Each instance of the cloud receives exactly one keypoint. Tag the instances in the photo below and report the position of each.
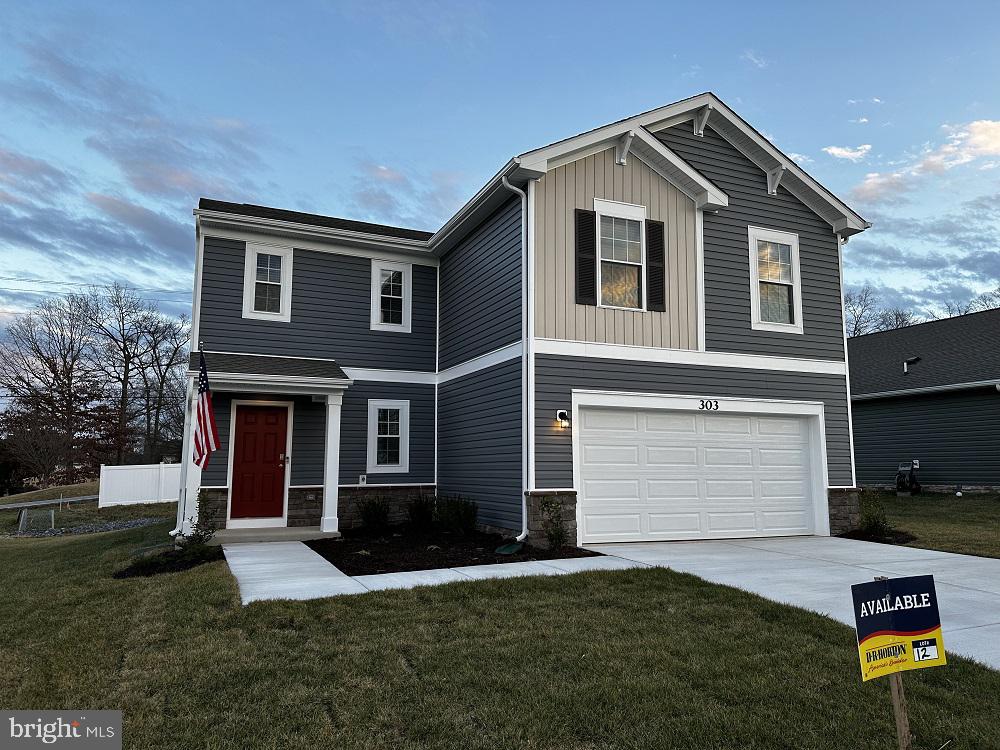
(390, 195)
(799, 158)
(846, 152)
(872, 100)
(963, 144)
(754, 59)
(860, 121)
(31, 176)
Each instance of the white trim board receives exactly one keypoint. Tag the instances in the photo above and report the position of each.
(927, 389)
(814, 411)
(626, 353)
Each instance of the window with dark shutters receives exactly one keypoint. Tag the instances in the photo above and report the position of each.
(656, 280)
(586, 257)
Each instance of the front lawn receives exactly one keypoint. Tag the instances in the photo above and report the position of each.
(969, 525)
(85, 514)
(632, 659)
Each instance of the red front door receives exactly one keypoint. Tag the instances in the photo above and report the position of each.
(259, 462)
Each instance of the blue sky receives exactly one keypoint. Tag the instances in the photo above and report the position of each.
(116, 117)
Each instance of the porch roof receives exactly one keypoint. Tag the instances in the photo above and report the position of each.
(231, 370)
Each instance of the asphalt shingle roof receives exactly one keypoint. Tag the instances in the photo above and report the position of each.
(332, 222)
(255, 364)
(963, 349)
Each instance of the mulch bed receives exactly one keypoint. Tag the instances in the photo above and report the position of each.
(894, 537)
(358, 553)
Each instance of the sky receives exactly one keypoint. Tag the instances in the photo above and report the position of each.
(116, 117)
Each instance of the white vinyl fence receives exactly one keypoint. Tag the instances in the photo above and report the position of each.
(145, 483)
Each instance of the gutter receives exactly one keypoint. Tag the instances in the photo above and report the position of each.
(526, 334)
(928, 389)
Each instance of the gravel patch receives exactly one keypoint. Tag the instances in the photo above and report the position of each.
(92, 528)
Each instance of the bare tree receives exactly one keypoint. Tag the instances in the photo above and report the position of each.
(163, 386)
(862, 311)
(121, 322)
(896, 317)
(45, 369)
(986, 301)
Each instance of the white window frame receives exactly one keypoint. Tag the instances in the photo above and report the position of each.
(755, 234)
(284, 313)
(376, 308)
(374, 404)
(621, 210)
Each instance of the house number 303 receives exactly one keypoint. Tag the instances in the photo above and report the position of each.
(708, 405)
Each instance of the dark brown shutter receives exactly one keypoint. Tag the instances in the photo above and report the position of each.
(586, 257)
(656, 276)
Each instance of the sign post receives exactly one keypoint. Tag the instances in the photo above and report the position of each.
(899, 628)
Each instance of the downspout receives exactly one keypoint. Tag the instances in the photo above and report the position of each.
(526, 334)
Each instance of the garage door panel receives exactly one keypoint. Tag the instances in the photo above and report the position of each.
(657, 455)
(719, 425)
(732, 522)
(606, 453)
(653, 474)
(725, 457)
(684, 424)
(688, 524)
(728, 489)
(672, 489)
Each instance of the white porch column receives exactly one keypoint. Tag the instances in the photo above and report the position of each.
(187, 503)
(331, 463)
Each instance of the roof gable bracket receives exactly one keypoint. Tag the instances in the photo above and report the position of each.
(774, 179)
(622, 147)
(701, 119)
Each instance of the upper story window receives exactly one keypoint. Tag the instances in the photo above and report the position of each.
(775, 288)
(388, 436)
(392, 285)
(621, 246)
(267, 283)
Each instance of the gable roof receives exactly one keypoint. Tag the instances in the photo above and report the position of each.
(703, 110)
(953, 352)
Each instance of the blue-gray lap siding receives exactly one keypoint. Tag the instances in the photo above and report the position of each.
(956, 437)
(727, 264)
(557, 376)
(309, 434)
(479, 442)
(481, 288)
(331, 311)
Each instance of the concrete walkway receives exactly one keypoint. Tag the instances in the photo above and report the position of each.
(816, 573)
(290, 570)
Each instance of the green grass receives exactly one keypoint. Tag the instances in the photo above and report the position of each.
(51, 493)
(634, 659)
(79, 514)
(969, 525)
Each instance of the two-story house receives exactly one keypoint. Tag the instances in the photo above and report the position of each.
(643, 320)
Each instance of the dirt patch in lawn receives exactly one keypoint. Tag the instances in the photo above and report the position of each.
(358, 553)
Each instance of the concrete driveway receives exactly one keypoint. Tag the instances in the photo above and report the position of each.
(816, 573)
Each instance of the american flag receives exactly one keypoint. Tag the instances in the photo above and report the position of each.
(206, 436)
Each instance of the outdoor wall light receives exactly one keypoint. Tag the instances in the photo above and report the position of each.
(562, 417)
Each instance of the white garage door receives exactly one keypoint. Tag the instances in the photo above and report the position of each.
(651, 474)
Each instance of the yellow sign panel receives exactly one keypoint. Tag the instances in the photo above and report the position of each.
(898, 624)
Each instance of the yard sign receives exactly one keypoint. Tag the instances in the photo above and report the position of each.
(898, 625)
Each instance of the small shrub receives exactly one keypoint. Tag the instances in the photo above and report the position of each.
(455, 514)
(420, 511)
(374, 514)
(553, 525)
(874, 522)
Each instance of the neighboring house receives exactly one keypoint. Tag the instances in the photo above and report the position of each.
(643, 321)
(929, 392)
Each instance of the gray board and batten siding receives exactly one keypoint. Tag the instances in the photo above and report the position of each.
(481, 288)
(330, 315)
(726, 254)
(479, 441)
(557, 376)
